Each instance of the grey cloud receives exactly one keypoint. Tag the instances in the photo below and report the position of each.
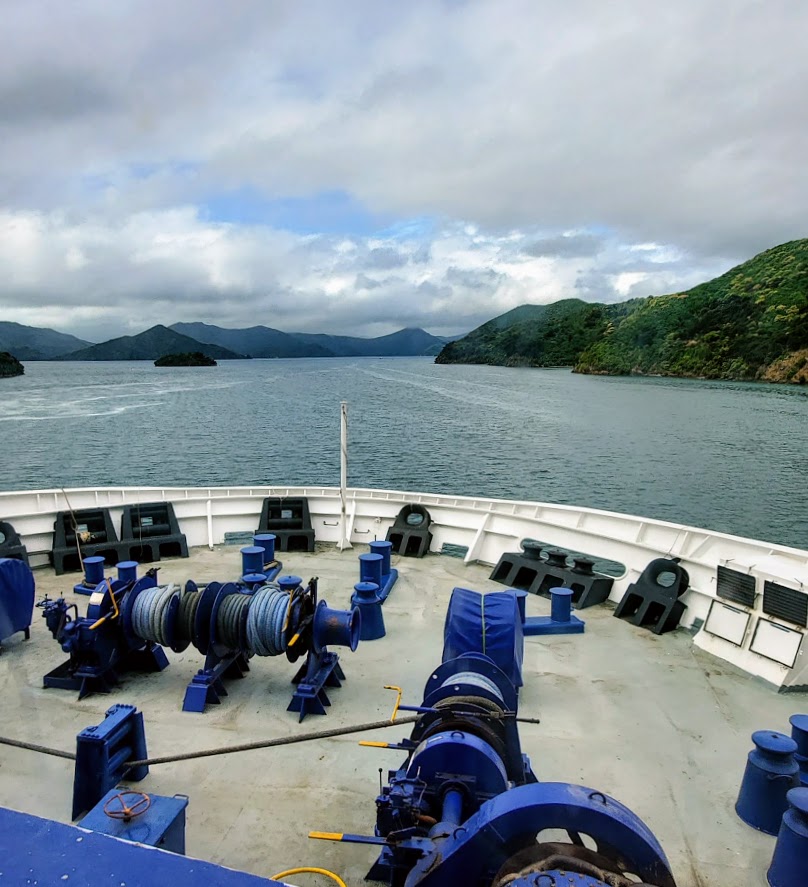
(678, 124)
(363, 282)
(570, 246)
(385, 258)
(422, 255)
(52, 95)
(475, 279)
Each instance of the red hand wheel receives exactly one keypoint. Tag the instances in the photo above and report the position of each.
(127, 805)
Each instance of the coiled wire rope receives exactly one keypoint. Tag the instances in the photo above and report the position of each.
(266, 621)
(189, 603)
(150, 613)
(229, 617)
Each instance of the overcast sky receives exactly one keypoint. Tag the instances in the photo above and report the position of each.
(356, 167)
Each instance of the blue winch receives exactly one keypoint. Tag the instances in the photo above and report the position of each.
(104, 643)
(465, 806)
(129, 621)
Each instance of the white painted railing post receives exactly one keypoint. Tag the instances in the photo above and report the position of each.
(344, 536)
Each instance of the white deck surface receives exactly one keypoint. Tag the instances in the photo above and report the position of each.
(652, 721)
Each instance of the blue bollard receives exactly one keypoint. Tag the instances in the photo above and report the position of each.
(387, 576)
(770, 772)
(521, 602)
(366, 598)
(560, 604)
(560, 620)
(789, 866)
(370, 568)
(127, 571)
(799, 733)
(252, 560)
(267, 542)
(384, 549)
(93, 570)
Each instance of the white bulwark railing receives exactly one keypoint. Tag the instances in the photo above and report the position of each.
(756, 642)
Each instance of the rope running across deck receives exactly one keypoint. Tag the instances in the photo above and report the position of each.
(249, 746)
(228, 749)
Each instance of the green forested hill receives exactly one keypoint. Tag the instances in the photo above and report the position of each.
(751, 322)
(532, 335)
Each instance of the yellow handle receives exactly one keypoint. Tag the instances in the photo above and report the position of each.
(398, 700)
(115, 610)
(369, 744)
(326, 836)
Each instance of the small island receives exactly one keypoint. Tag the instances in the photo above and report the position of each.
(9, 365)
(186, 359)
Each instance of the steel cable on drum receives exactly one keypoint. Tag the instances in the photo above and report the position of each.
(189, 603)
(266, 620)
(150, 612)
(228, 619)
(473, 679)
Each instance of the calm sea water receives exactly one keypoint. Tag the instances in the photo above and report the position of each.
(728, 456)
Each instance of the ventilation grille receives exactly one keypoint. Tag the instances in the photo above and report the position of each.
(451, 550)
(736, 587)
(785, 603)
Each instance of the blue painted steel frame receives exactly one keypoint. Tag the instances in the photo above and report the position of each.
(540, 625)
(35, 850)
(207, 685)
(488, 838)
(161, 825)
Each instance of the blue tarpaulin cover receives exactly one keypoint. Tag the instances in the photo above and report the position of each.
(488, 624)
(41, 851)
(16, 596)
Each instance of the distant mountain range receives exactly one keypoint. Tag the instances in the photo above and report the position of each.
(35, 343)
(262, 341)
(149, 345)
(219, 343)
(750, 323)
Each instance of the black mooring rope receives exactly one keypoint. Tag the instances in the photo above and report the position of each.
(273, 743)
(227, 750)
(245, 746)
(42, 749)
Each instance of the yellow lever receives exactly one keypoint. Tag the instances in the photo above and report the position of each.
(398, 700)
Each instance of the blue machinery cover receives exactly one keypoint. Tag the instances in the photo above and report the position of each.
(488, 624)
(16, 596)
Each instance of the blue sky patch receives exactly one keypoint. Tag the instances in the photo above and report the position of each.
(329, 212)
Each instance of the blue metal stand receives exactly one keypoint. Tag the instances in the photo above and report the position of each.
(160, 824)
(207, 685)
(313, 677)
(322, 668)
(103, 753)
(560, 620)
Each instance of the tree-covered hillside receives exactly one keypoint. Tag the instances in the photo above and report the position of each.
(9, 365)
(750, 323)
(532, 335)
(733, 327)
